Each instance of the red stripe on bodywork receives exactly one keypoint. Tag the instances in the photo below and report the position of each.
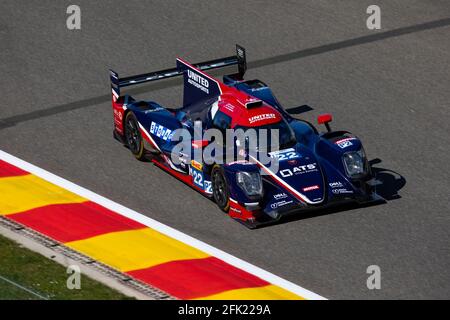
(146, 138)
(274, 177)
(77, 221)
(189, 279)
(8, 170)
(238, 211)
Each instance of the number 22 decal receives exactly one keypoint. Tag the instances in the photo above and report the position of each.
(287, 156)
(197, 177)
(208, 187)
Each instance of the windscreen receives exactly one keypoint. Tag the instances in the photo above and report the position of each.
(286, 137)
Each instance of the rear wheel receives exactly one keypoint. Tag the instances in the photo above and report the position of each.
(220, 188)
(133, 137)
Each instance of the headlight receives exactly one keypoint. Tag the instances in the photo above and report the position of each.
(354, 162)
(250, 182)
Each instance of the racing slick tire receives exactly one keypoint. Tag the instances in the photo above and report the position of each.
(220, 188)
(133, 137)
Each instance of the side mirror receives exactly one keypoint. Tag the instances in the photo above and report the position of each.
(298, 110)
(325, 119)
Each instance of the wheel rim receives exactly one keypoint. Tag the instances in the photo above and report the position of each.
(133, 138)
(220, 193)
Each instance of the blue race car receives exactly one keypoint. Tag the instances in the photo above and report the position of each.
(314, 170)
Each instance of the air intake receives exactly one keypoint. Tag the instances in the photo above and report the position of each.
(253, 104)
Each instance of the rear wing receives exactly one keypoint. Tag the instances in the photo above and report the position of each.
(239, 59)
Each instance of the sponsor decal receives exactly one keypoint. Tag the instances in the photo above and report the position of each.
(154, 110)
(229, 106)
(341, 191)
(166, 134)
(337, 187)
(344, 143)
(197, 165)
(161, 131)
(311, 188)
(198, 81)
(243, 162)
(280, 196)
(336, 184)
(280, 204)
(261, 117)
(235, 210)
(299, 170)
(118, 114)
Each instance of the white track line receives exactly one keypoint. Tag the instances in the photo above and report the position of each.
(169, 231)
(23, 288)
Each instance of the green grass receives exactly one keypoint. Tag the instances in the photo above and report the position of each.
(12, 292)
(41, 278)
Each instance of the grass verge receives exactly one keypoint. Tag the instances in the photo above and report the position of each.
(27, 275)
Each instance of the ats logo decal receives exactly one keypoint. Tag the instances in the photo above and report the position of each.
(299, 170)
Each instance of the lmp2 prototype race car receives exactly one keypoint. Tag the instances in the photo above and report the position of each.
(315, 170)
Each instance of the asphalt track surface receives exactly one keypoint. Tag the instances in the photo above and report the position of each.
(391, 87)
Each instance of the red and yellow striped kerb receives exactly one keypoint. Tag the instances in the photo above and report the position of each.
(143, 253)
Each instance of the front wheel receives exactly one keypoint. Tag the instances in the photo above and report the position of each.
(133, 137)
(220, 188)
